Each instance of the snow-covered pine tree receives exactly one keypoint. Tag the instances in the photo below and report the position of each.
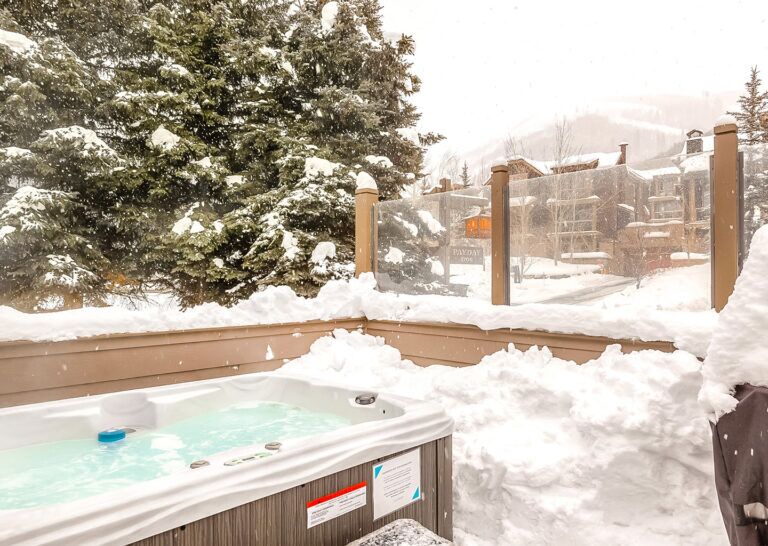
(754, 133)
(754, 105)
(173, 115)
(329, 105)
(44, 263)
(218, 112)
(409, 241)
(52, 254)
(466, 180)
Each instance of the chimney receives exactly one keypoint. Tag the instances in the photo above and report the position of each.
(445, 184)
(694, 144)
(623, 156)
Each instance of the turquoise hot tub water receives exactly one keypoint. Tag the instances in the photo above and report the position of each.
(51, 473)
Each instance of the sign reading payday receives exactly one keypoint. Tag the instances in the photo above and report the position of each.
(468, 255)
(396, 483)
(335, 504)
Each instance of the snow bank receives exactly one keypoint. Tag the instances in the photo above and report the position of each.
(546, 452)
(690, 331)
(18, 43)
(675, 289)
(274, 305)
(738, 351)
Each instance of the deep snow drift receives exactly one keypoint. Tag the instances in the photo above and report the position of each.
(616, 451)
(738, 351)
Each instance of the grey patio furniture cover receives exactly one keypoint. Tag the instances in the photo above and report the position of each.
(740, 444)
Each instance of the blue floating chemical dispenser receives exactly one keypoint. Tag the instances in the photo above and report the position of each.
(111, 435)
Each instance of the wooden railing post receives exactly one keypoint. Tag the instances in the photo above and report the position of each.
(726, 223)
(365, 229)
(500, 235)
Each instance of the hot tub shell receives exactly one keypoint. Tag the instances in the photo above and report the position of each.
(260, 501)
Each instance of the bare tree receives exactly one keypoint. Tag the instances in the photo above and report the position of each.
(634, 241)
(418, 187)
(515, 147)
(482, 174)
(449, 166)
(562, 149)
(520, 203)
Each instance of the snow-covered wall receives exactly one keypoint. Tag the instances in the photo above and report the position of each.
(738, 352)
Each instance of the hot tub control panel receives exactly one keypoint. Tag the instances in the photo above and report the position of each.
(247, 459)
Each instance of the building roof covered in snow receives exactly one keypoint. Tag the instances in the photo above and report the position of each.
(521, 167)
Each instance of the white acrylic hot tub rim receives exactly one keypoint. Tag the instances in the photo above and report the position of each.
(152, 507)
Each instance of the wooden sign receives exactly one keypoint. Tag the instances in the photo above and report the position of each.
(467, 255)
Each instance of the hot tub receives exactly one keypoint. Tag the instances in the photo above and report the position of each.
(263, 459)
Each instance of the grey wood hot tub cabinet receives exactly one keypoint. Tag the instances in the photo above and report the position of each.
(281, 519)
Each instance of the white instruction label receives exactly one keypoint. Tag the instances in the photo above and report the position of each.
(336, 504)
(396, 483)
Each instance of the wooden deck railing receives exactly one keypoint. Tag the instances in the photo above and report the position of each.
(41, 371)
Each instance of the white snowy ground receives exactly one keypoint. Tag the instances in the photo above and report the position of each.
(616, 451)
(543, 280)
(675, 289)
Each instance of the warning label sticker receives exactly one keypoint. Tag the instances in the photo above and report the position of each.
(335, 504)
(396, 483)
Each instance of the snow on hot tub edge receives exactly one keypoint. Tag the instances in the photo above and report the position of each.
(358, 298)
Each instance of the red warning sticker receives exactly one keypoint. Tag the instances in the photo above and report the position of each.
(333, 505)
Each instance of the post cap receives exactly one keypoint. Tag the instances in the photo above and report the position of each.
(724, 129)
(363, 191)
(725, 124)
(502, 168)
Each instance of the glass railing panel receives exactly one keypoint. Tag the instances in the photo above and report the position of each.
(436, 244)
(624, 235)
(755, 184)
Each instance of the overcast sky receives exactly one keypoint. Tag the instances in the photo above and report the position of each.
(489, 65)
